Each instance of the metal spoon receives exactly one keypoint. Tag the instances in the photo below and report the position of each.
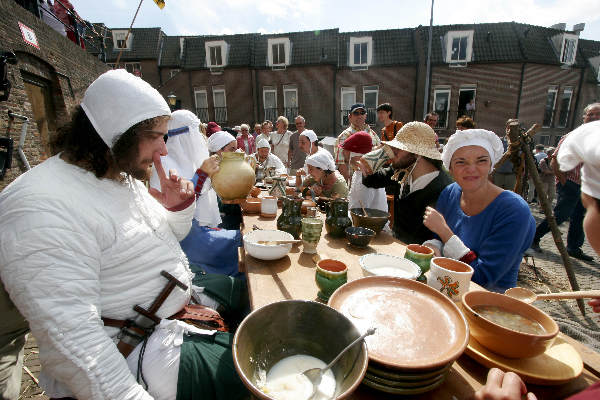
(314, 375)
(528, 296)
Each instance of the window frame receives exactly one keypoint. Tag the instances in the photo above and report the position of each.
(287, 107)
(224, 53)
(575, 39)
(216, 90)
(570, 91)
(269, 89)
(286, 46)
(551, 89)
(196, 92)
(120, 34)
(450, 36)
(345, 89)
(447, 111)
(360, 40)
(545, 140)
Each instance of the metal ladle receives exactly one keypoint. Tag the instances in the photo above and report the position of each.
(314, 375)
(528, 296)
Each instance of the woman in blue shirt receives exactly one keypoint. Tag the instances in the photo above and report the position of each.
(476, 221)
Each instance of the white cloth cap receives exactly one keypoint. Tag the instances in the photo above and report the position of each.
(218, 140)
(322, 160)
(310, 134)
(117, 100)
(474, 137)
(262, 143)
(583, 146)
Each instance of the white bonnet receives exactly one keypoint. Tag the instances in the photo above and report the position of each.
(321, 159)
(583, 146)
(310, 134)
(262, 143)
(218, 140)
(474, 137)
(182, 118)
(117, 100)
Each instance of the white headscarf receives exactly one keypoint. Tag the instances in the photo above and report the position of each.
(262, 143)
(117, 100)
(310, 134)
(218, 140)
(583, 146)
(322, 160)
(474, 137)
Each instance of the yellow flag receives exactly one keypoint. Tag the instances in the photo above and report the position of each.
(160, 3)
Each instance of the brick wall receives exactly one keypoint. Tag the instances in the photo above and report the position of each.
(67, 69)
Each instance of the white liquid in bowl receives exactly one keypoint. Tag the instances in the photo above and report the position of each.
(285, 380)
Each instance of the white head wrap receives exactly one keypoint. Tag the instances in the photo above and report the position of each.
(262, 143)
(474, 137)
(323, 160)
(583, 146)
(310, 134)
(218, 140)
(117, 100)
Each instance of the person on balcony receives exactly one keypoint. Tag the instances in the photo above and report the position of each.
(357, 118)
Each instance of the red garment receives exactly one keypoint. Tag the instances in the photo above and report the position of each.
(591, 393)
(66, 18)
(242, 145)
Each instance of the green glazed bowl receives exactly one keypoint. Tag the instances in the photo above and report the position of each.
(420, 255)
(330, 275)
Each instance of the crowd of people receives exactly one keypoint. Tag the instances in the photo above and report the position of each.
(85, 222)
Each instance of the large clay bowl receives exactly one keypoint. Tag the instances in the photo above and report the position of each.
(291, 327)
(375, 221)
(251, 205)
(504, 341)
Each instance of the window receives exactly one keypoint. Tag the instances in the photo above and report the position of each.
(549, 107)
(360, 51)
(278, 52)
(174, 72)
(348, 97)
(565, 106)
(270, 103)
(441, 104)
(568, 49)
(458, 46)
(201, 100)
(290, 102)
(370, 98)
(466, 102)
(119, 40)
(545, 140)
(220, 105)
(216, 53)
(556, 140)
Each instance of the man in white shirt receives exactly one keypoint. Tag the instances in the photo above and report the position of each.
(280, 140)
(266, 159)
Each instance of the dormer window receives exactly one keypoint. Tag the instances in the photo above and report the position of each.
(568, 49)
(216, 54)
(458, 47)
(119, 40)
(278, 52)
(361, 51)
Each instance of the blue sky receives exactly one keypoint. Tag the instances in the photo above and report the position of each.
(197, 17)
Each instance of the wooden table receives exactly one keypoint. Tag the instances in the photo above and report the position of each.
(293, 277)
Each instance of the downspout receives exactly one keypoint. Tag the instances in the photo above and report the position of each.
(193, 100)
(520, 91)
(414, 112)
(334, 91)
(578, 98)
(25, 120)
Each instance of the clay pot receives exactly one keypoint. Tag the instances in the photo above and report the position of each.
(235, 177)
(306, 204)
(255, 191)
(290, 219)
(337, 218)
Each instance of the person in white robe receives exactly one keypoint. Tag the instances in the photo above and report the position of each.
(265, 158)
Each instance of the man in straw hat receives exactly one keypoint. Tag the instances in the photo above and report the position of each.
(83, 242)
(417, 173)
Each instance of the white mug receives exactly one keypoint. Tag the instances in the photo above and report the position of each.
(268, 206)
(451, 277)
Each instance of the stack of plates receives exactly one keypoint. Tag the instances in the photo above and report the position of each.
(420, 332)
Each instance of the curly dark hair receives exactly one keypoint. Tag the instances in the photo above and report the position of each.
(81, 145)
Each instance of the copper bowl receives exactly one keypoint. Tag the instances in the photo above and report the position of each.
(251, 205)
(374, 220)
(504, 341)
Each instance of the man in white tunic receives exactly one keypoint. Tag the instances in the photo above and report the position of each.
(82, 238)
(266, 159)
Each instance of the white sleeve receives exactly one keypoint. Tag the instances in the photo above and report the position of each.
(455, 248)
(434, 243)
(279, 167)
(50, 267)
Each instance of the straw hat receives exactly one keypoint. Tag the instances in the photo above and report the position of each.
(417, 138)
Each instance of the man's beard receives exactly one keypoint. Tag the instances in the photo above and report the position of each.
(405, 162)
(135, 170)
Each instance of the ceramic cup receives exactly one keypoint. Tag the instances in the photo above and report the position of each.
(450, 277)
(377, 159)
(311, 234)
(268, 207)
(420, 255)
(330, 275)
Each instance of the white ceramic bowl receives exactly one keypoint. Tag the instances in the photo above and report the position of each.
(267, 251)
(387, 265)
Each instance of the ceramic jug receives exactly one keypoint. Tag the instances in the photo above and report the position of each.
(337, 219)
(278, 188)
(235, 177)
(290, 219)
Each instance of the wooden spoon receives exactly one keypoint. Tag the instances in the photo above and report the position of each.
(363, 208)
(528, 296)
(276, 242)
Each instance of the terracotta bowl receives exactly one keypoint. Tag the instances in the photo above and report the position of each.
(306, 204)
(290, 191)
(255, 191)
(291, 327)
(375, 220)
(504, 341)
(251, 205)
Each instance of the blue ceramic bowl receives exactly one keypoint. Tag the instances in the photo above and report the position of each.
(359, 236)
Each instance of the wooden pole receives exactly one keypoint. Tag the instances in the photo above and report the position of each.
(127, 36)
(525, 139)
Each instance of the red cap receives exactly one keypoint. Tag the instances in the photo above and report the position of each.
(211, 128)
(359, 142)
